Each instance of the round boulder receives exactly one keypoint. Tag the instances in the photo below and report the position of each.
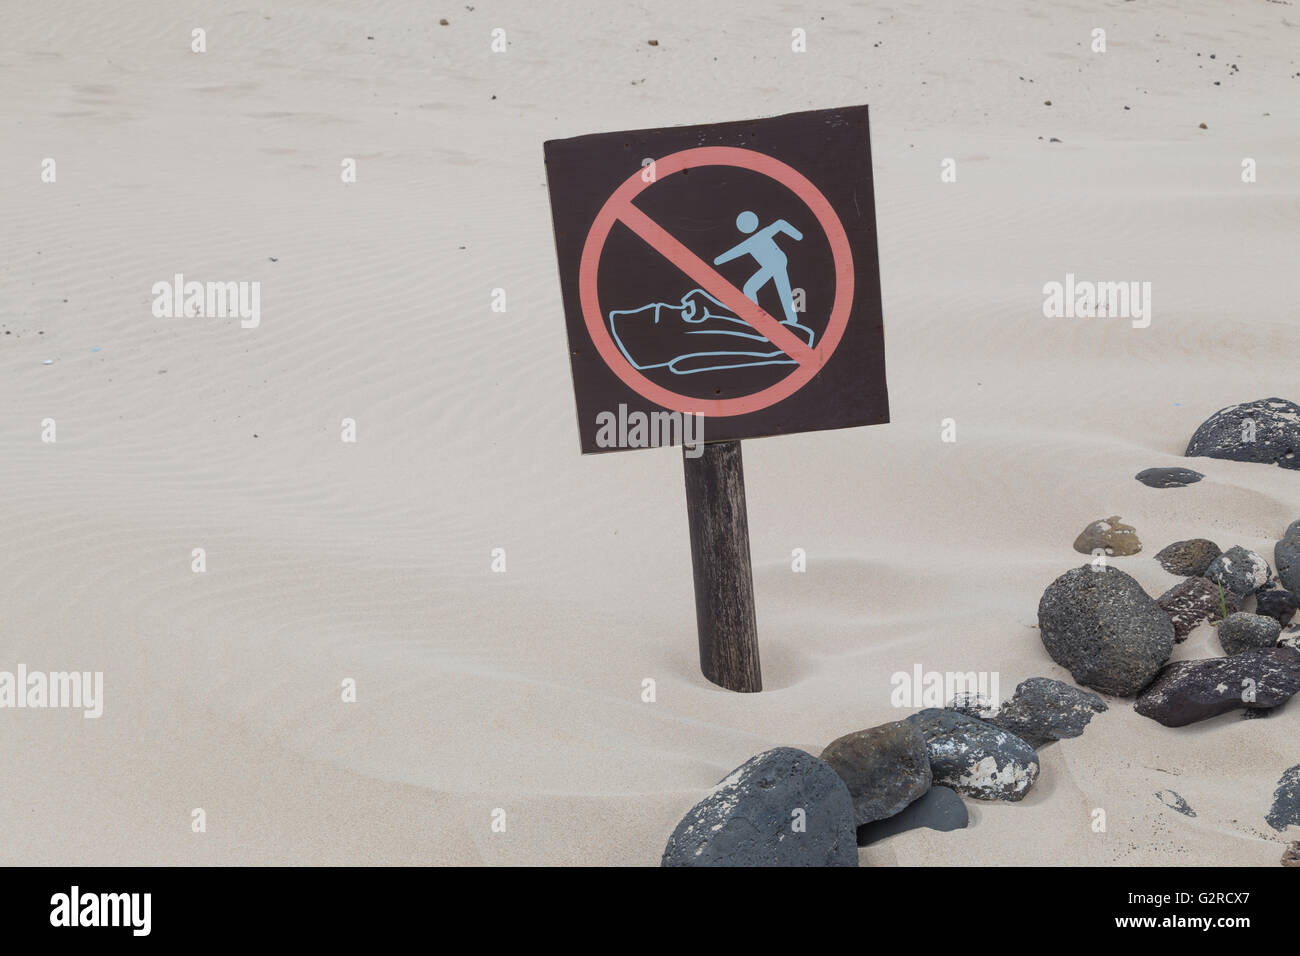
(1265, 431)
(1242, 632)
(783, 807)
(1277, 604)
(885, 767)
(1194, 601)
(1240, 571)
(1286, 555)
(1105, 630)
(976, 758)
(1285, 811)
(1189, 559)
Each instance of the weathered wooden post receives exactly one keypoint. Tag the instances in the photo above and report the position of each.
(724, 580)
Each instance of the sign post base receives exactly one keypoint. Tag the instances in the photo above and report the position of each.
(724, 580)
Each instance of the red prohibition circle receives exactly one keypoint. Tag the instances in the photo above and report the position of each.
(621, 200)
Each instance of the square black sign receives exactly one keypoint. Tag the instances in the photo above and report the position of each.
(728, 271)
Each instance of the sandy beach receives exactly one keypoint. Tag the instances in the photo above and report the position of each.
(479, 691)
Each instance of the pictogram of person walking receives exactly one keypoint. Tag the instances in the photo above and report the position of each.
(771, 260)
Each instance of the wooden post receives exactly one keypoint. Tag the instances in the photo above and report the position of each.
(724, 581)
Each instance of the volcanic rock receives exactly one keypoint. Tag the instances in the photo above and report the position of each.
(1168, 477)
(976, 758)
(1193, 602)
(1240, 571)
(1286, 555)
(1109, 536)
(1188, 558)
(1280, 605)
(1266, 431)
(1041, 710)
(1242, 632)
(1100, 625)
(1285, 811)
(1188, 691)
(885, 767)
(751, 818)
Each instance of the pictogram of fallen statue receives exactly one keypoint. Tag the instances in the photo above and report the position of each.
(697, 334)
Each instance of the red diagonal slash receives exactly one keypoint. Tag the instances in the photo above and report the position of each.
(663, 242)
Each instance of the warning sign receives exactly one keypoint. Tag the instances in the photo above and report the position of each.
(725, 276)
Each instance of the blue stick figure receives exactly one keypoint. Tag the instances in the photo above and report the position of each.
(771, 260)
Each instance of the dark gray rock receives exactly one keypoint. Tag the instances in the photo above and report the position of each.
(1100, 625)
(1291, 855)
(885, 767)
(976, 758)
(1266, 431)
(1188, 691)
(1189, 558)
(1240, 571)
(1280, 605)
(1193, 602)
(1285, 811)
(1174, 801)
(1040, 711)
(749, 818)
(1168, 477)
(1243, 632)
(1286, 555)
(939, 808)
(1290, 637)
